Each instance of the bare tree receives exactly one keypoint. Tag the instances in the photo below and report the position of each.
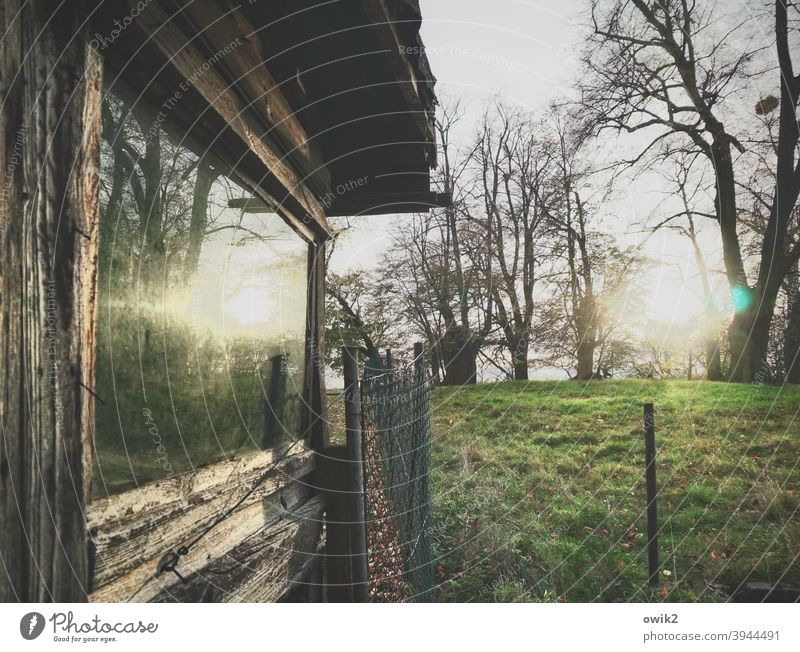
(436, 266)
(690, 192)
(665, 67)
(514, 169)
(568, 219)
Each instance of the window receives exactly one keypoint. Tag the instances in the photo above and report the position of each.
(201, 311)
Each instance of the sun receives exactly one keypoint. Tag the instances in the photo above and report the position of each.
(673, 299)
(248, 306)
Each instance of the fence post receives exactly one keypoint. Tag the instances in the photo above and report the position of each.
(331, 476)
(273, 401)
(650, 473)
(355, 474)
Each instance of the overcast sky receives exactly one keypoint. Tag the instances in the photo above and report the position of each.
(524, 50)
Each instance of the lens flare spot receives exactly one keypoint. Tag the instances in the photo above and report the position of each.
(742, 298)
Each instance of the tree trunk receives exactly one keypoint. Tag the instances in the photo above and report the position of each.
(120, 172)
(748, 335)
(436, 365)
(206, 176)
(460, 357)
(791, 337)
(519, 356)
(587, 337)
(585, 356)
(150, 206)
(521, 369)
(746, 344)
(49, 139)
(713, 359)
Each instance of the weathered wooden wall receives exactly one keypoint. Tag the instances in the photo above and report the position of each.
(261, 551)
(49, 147)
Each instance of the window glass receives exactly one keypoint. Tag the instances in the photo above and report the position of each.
(201, 312)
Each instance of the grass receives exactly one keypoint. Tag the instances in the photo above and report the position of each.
(539, 490)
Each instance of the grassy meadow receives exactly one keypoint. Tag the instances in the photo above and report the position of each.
(539, 490)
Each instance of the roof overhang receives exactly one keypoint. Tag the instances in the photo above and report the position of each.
(319, 108)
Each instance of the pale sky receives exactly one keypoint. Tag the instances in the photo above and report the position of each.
(523, 49)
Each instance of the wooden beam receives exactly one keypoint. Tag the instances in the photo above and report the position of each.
(218, 24)
(390, 203)
(182, 51)
(252, 205)
(135, 528)
(263, 567)
(330, 477)
(50, 82)
(219, 549)
(314, 409)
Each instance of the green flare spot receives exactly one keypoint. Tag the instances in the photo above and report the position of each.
(742, 298)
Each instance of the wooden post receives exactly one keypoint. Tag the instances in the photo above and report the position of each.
(355, 474)
(50, 82)
(274, 401)
(652, 491)
(331, 477)
(48, 238)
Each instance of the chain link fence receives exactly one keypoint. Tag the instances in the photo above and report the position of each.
(396, 440)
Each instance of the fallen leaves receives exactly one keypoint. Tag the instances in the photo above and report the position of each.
(386, 581)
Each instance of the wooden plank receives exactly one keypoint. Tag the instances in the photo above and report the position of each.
(252, 205)
(314, 414)
(389, 203)
(185, 57)
(254, 522)
(361, 204)
(137, 527)
(263, 567)
(190, 487)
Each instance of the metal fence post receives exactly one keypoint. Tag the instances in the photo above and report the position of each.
(650, 473)
(355, 474)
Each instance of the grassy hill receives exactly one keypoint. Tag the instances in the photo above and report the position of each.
(539, 490)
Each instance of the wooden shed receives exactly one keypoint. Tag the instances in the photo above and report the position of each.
(169, 170)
